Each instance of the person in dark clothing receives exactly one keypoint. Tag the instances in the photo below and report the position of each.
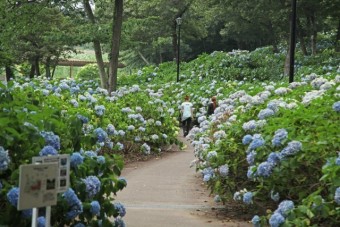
(212, 106)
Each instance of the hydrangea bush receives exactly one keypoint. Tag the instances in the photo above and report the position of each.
(43, 117)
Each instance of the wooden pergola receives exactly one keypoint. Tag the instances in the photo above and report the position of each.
(80, 63)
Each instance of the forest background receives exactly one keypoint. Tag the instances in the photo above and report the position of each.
(36, 34)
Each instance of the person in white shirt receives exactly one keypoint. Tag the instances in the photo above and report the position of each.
(187, 114)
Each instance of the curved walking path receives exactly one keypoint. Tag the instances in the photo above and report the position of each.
(166, 192)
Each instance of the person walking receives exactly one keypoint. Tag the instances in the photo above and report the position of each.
(212, 106)
(187, 114)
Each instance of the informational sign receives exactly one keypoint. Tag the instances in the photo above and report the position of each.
(63, 161)
(38, 185)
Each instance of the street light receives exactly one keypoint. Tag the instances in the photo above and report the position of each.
(292, 42)
(178, 22)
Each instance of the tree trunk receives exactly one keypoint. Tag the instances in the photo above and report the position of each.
(48, 67)
(97, 48)
(301, 35)
(37, 68)
(32, 71)
(314, 34)
(116, 35)
(337, 41)
(9, 73)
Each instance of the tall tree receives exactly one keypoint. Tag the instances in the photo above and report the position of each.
(116, 34)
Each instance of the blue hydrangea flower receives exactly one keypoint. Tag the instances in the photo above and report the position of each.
(276, 220)
(90, 154)
(265, 113)
(336, 106)
(110, 129)
(256, 221)
(76, 159)
(251, 157)
(337, 196)
(101, 159)
(131, 128)
(92, 185)
(208, 173)
(280, 135)
(291, 149)
(41, 221)
(248, 198)
(119, 222)
(48, 150)
(224, 170)
(251, 172)
(274, 196)
(264, 169)
(247, 139)
(284, 207)
(211, 154)
(258, 141)
(95, 208)
(100, 110)
(73, 202)
(51, 139)
(13, 196)
(101, 135)
(273, 158)
(145, 149)
(120, 208)
(83, 119)
(4, 159)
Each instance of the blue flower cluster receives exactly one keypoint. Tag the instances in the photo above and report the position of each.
(13, 196)
(279, 136)
(257, 141)
(256, 221)
(100, 110)
(284, 207)
(48, 150)
(224, 170)
(41, 221)
(336, 106)
(251, 157)
(76, 159)
(265, 113)
(276, 220)
(92, 184)
(111, 129)
(248, 198)
(83, 119)
(119, 222)
(247, 139)
(292, 148)
(208, 173)
(211, 155)
(4, 159)
(265, 169)
(101, 135)
(337, 196)
(120, 208)
(101, 159)
(145, 149)
(95, 208)
(79, 225)
(75, 204)
(51, 139)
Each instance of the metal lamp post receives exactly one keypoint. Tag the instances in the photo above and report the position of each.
(178, 21)
(292, 42)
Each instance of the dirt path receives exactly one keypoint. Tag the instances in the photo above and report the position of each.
(165, 192)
